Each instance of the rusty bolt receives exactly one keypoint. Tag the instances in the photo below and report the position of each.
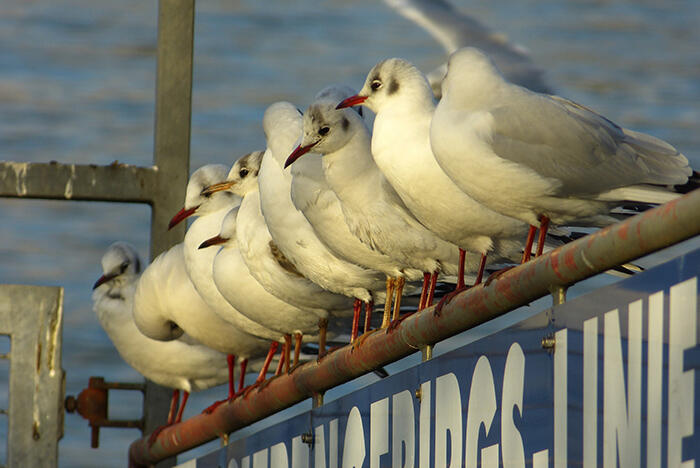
(307, 438)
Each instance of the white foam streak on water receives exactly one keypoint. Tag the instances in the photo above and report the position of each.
(77, 86)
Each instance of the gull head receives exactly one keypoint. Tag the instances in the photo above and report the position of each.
(326, 129)
(198, 200)
(242, 178)
(120, 265)
(227, 236)
(282, 127)
(388, 82)
(469, 71)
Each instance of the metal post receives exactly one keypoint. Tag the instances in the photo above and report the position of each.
(171, 154)
(33, 317)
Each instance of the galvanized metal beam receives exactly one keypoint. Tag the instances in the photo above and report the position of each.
(85, 182)
(641, 235)
(171, 154)
(33, 318)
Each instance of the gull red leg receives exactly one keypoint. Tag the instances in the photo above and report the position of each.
(297, 347)
(173, 407)
(368, 315)
(390, 283)
(185, 396)
(544, 226)
(460, 274)
(268, 359)
(356, 309)
(287, 351)
(528, 244)
(322, 330)
(482, 266)
(280, 363)
(231, 361)
(431, 291)
(241, 379)
(424, 291)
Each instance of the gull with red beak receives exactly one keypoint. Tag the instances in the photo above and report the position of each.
(235, 281)
(371, 209)
(182, 364)
(210, 208)
(403, 102)
(290, 230)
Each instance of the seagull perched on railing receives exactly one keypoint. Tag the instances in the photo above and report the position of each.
(182, 363)
(560, 161)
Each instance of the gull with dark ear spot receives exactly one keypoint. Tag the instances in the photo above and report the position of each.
(290, 230)
(370, 208)
(181, 363)
(402, 151)
(560, 161)
(454, 30)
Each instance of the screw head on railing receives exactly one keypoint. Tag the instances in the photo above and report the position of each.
(307, 438)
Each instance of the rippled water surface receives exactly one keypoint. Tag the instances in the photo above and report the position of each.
(77, 85)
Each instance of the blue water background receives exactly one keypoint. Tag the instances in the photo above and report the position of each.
(77, 86)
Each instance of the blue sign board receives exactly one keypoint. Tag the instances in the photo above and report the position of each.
(608, 379)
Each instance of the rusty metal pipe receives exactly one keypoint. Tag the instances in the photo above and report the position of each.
(623, 242)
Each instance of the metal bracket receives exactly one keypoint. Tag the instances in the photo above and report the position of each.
(93, 404)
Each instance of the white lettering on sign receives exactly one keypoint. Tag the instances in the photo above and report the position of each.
(561, 405)
(403, 444)
(354, 444)
(655, 367)
(482, 409)
(681, 384)
(424, 425)
(590, 393)
(448, 421)
(513, 451)
(379, 431)
(450, 434)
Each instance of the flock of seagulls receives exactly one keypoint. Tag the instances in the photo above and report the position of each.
(435, 190)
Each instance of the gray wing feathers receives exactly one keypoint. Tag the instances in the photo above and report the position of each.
(583, 152)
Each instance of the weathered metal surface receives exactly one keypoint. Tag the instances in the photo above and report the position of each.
(171, 154)
(643, 234)
(32, 316)
(115, 182)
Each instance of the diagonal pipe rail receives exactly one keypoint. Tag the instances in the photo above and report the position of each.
(623, 242)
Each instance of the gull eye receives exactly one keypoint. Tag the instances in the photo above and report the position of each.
(243, 173)
(323, 131)
(123, 267)
(376, 84)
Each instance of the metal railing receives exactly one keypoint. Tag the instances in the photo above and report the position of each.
(549, 274)
(32, 316)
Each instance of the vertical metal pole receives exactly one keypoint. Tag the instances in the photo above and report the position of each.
(426, 353)
(558, 295)
(171, 153)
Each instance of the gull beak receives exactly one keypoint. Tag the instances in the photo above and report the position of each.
(180, 216)
(355, 100)
(298, 152)
(217, 188)
(216, 240)
(103, 279)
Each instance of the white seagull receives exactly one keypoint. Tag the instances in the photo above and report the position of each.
(166, 303)
(404, 104)
(454, 30)
(265, 262)
(559, 160)
(239, 286)
(371, 208)
(289, 228)
(210, 209)
(182, 364)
